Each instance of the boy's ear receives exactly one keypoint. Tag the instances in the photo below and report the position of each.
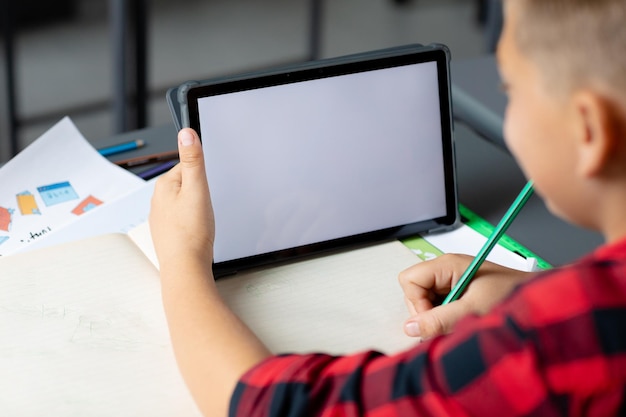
(597, 132)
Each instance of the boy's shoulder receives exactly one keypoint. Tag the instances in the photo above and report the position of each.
(595, 280)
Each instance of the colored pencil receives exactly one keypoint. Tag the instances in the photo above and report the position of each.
(121, 147)
(157, 170)
(147, 159)
(497, 233)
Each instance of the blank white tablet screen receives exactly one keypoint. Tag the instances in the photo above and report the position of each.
(307, 162)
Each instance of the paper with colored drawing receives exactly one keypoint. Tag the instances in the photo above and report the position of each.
(126, 214)
(52, 183)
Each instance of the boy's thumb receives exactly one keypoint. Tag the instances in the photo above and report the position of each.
(440, 320)
(190, 153)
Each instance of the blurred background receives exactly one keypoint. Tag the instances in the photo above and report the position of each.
(63, 57)
(108, 64)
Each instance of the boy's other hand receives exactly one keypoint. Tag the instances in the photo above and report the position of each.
(427, 283)
(181, 216)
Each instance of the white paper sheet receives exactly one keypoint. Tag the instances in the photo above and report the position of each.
(339, 303)
(119, 216)
(53, 182)
(83, 333)
(467, 241)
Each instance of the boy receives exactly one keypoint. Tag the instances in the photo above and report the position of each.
(556, 345)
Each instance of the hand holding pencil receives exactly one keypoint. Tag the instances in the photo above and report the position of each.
(448, 278)
(427, 283)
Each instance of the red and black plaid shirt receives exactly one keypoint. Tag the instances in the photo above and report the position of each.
(555, 347)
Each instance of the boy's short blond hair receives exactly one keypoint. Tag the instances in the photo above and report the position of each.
(576, 43)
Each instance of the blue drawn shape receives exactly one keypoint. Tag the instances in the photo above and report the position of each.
(57, 193)
(3, 239)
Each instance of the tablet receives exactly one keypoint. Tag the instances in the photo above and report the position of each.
(325, 154)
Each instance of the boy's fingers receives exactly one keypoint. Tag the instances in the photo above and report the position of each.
(418, 282)
(424, 281)
(439, 320)
(191, 156)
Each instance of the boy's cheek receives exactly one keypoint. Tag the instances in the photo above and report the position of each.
(516, 134)
(511, 129)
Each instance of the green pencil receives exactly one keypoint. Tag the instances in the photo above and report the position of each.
(497, 233)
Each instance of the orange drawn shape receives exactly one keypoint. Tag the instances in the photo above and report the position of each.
(27, 204)
(5, 219)
(86, 205)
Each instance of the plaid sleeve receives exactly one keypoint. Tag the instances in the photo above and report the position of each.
(557, 347)
(310, 385)
(429, 380)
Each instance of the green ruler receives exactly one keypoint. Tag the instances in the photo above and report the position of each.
(425, 251)
(485, 228)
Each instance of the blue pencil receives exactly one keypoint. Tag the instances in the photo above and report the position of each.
(497, 233)
(122, 147)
